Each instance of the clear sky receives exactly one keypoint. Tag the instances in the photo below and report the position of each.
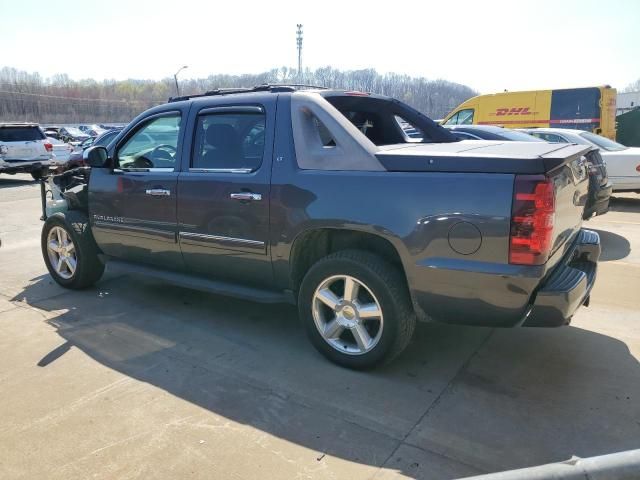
(486, 44)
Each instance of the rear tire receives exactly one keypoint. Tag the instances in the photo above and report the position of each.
(361, 330)
(69, 250)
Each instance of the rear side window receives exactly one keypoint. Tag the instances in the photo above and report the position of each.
(465, 136)
(229, 141)
(20, 134)
(549, 137)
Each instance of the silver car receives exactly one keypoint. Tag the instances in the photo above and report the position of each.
(24, 149)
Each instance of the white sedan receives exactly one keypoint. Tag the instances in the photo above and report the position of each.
(623, 163)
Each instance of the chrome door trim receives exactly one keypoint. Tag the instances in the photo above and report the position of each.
(219, 238)
(220, 170)
(135, 230)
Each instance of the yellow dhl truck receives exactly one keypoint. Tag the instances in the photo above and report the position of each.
(592, 109)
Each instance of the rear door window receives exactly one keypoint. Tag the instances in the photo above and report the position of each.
(20, 134)
(229, 141)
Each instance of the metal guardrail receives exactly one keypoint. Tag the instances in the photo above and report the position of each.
(615, 466)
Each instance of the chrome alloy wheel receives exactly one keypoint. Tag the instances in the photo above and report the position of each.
(62, 252)
(347, 315)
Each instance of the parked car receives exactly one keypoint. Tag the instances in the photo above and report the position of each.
(52, 132)
(24, 149)
(61, 152)
(92, 130)
(72, 135)
(490, 132)
(275, 194)
(76, 160)
(622, 163)
(599, 185)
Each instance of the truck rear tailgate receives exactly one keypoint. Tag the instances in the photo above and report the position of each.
(564, 164)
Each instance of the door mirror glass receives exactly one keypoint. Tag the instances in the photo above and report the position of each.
(96, 157)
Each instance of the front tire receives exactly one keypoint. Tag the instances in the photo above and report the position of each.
(356, 309)
(69, 250)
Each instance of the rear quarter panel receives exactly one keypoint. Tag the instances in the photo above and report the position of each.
(422, 214)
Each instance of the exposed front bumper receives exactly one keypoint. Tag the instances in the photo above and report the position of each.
(568, 286)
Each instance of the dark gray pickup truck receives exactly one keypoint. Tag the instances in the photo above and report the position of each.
(355, 207)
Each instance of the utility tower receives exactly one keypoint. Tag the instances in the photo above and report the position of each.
(299, 43)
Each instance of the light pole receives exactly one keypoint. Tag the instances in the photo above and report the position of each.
(175, 77)
(299, 44)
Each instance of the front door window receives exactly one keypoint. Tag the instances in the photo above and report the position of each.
(152, 147)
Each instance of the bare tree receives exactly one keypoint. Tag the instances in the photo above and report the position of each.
(29, 97)
(632, 87)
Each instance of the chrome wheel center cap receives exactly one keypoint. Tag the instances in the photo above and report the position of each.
(347, 316)
(349, 312)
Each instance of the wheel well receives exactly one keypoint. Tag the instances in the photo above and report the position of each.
(313, 245)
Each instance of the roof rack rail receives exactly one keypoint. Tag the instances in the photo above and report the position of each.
(265, 87)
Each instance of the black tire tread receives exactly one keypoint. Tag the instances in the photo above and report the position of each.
(394, 280)
(92, 267)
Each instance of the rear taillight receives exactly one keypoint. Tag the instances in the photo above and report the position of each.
(638, 169)
(532, 216)
(48, 146)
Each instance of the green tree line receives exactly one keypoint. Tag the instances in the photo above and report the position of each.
(28, 96)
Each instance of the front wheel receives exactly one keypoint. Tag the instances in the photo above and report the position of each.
(356, 309)
(69, 250)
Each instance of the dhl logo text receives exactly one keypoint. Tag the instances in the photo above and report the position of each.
(513, 111)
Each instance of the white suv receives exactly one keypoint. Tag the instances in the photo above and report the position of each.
(24, 149)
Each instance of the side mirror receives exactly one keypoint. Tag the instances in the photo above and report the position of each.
(96, 157)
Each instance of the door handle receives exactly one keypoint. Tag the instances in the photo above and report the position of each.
(251, 197)
(158, 192)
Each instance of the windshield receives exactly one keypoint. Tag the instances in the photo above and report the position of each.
(603, 142)
(105, 139)
(518, 136)
(76, 131)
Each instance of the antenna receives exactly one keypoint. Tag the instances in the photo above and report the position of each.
(299, 43)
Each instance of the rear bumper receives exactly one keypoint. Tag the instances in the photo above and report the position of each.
(568, 286)
(626, 184)
(17, 166)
